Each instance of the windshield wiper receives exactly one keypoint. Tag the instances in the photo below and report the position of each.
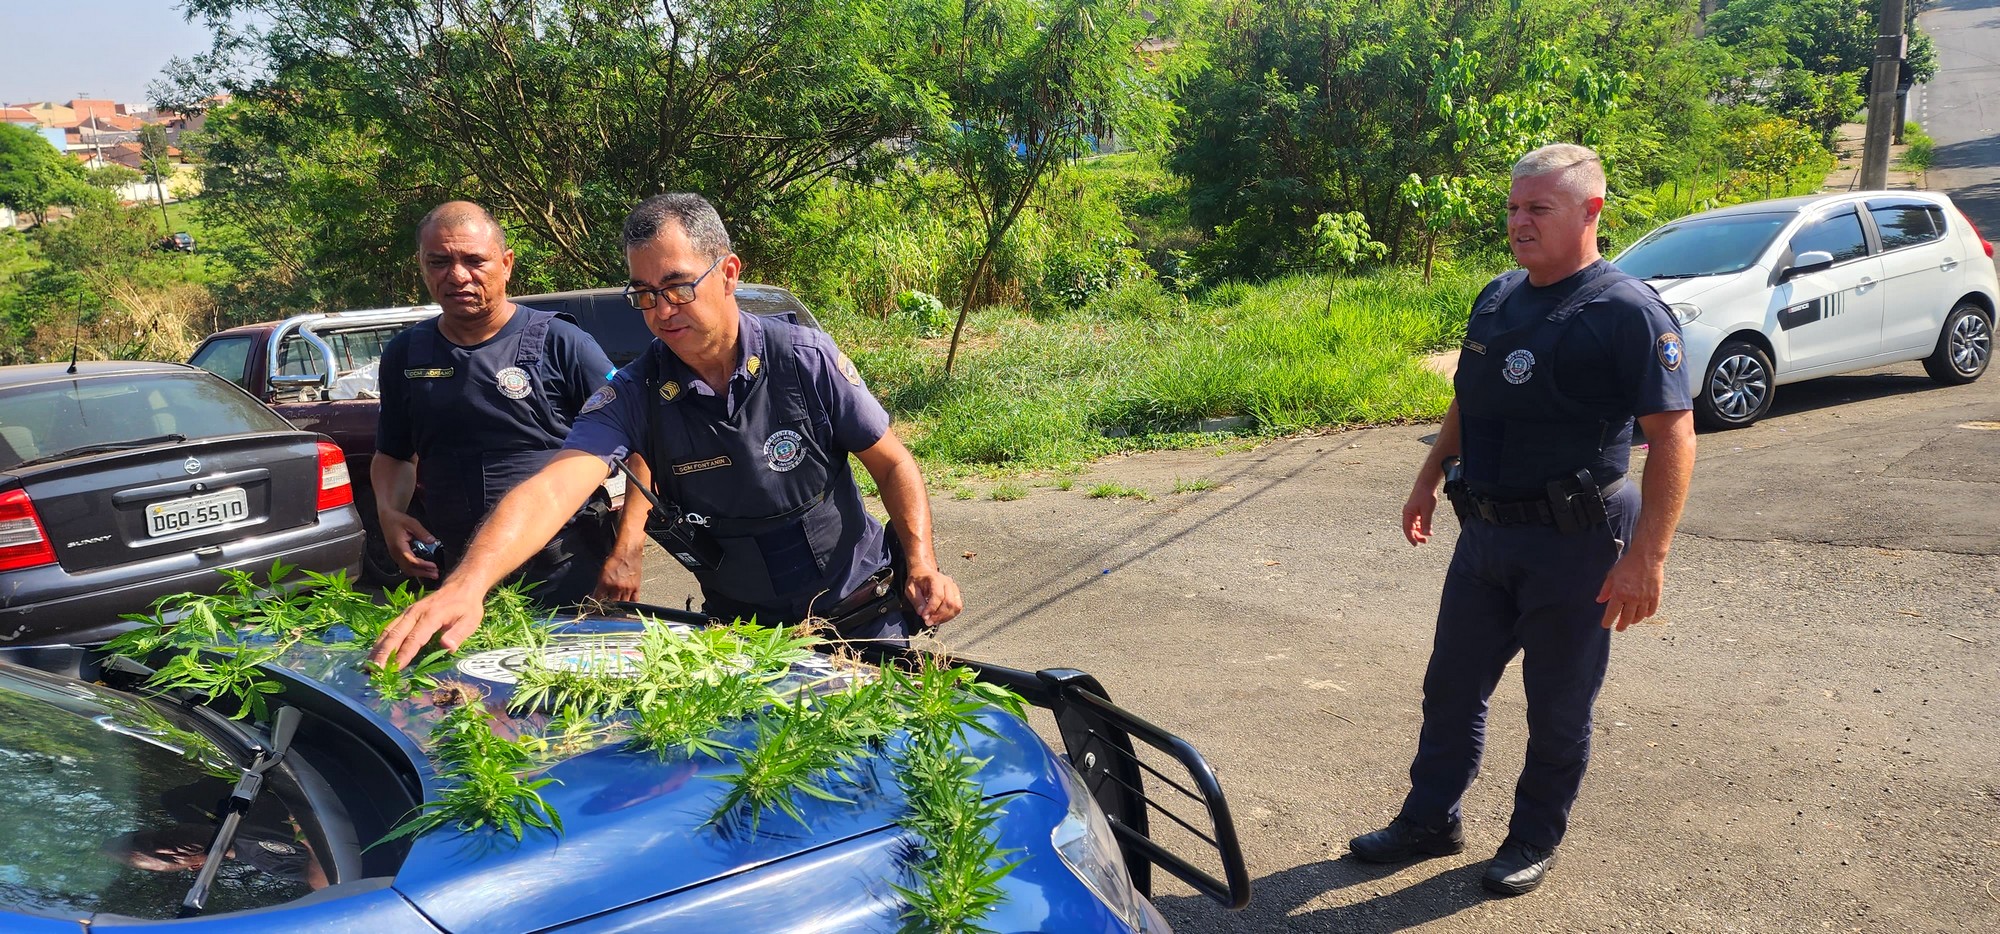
(283, 725)
(101, 448)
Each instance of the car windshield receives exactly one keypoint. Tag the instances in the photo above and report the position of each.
(109, 802)
(1702, 246)
(41, 421)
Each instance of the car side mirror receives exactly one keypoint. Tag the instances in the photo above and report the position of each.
(1808, 262)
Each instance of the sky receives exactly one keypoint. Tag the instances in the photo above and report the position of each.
(62, 49)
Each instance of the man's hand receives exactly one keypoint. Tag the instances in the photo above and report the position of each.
(934, 594)
(1631, 592)
(450, 614)
(400, 529)
(620, 578)
(1417, 513)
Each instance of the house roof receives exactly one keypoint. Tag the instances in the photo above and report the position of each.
(16, 115)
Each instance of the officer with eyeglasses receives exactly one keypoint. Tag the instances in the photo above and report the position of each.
(745, 425)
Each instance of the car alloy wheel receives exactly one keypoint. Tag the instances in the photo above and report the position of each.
(1738, 389)
(1964, 348)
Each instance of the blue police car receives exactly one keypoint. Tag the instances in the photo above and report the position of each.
(126, 806)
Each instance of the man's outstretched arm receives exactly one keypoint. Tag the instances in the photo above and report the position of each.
(524, 521)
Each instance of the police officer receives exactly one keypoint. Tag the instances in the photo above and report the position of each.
(477, 399)
(1556, 550)
(747, 424)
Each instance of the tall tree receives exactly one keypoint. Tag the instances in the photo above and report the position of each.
(35, 177)
(1031, 84)
(558, 114)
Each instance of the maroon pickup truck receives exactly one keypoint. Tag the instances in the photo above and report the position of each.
(318, 372)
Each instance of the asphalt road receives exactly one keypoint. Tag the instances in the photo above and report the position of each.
(1806, 740)
(1960, 108)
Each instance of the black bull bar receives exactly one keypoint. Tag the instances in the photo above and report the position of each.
(1097, 737)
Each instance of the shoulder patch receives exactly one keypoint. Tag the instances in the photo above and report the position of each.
(847, 368)
(1670, 351)
(670, 390)
(598, 400)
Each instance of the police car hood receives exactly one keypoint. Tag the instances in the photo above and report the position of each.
(637, 826)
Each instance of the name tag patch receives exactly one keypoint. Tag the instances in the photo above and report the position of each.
(681, 470)
(1474, 346)
(429, 372)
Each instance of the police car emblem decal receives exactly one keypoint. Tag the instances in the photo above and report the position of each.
(598, 400)
(513, 382)
(669, 391)
(1520, 365)
(1670, 350)
(784, 450)
(752, 365)
(614, 655)
(847, 369)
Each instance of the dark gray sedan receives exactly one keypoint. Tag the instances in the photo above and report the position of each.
(123, 482)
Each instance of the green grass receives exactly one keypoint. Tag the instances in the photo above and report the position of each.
(1195, 485)
(1008, 492)
(1137, 370)
(1917, 158)
(1117, 491)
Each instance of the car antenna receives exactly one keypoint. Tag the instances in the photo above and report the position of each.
(75, 333)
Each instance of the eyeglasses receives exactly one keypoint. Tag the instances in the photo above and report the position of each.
(680, 293)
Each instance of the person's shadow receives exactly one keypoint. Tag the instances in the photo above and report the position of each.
(1278, 901)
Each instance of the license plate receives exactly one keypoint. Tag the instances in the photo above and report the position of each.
(194, 513)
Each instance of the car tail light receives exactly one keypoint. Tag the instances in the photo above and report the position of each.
(1975, 233)
(23, 543)
(336, 488)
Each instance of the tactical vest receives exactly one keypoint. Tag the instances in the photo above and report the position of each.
(1517, 428)
(783, 509)
(484, 427)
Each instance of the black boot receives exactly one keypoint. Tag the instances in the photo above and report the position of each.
(1518, 868)
(1403, 840)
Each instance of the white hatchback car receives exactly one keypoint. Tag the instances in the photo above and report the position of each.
(1781, 291)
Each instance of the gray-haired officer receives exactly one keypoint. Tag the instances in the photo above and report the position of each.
(746, 424)
(1555, 550)
(473, 402)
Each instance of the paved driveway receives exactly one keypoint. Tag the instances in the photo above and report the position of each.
(1806, 741)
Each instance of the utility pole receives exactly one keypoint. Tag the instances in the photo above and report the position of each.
(1890, 46)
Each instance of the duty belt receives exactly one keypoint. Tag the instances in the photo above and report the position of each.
(1572, 504)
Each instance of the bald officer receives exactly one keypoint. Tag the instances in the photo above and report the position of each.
(476, 400)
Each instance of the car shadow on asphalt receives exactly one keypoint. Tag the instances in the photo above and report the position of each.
(1829, 391)
(1281, 900)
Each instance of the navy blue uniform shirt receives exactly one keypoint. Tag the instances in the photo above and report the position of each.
(1611, 352)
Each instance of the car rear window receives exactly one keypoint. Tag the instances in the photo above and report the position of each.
(227, 357)
(46, 419)
(352, 350)
(1838, 233)
(1904, 225)
(1702, 246)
